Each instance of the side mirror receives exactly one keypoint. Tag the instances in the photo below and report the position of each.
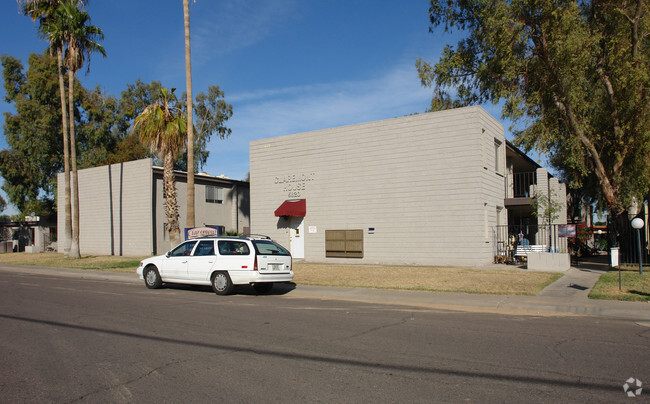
(168, 253)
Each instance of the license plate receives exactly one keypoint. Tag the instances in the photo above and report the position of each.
(274, 267)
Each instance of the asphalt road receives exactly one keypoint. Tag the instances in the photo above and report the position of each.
(66, 339)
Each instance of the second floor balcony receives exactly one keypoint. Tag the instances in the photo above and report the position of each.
(521, 185)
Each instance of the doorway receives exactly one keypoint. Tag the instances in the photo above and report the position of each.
(297, 236)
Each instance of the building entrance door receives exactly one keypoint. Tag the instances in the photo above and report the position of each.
(297, 236)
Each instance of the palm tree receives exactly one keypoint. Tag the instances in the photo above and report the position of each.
(163, 127)
(81, 40)
(190, 127)
(52, 30)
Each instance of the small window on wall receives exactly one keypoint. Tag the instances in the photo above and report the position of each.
(213, 194)
(344, 243)
(498, 156)
(500, 215)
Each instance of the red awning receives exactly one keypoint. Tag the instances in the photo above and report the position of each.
(292, 208)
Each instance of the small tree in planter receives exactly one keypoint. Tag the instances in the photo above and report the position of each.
(578, 245)
(546, 209)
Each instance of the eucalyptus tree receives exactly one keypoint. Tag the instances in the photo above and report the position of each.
(32, 132)
(211, 113)
(34, 154)
(81, 41)
(3, 204)
(575, 74)
(163, 127)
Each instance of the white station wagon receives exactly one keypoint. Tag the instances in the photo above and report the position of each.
(222, 262)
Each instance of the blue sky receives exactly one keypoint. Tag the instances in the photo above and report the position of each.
(286, 66)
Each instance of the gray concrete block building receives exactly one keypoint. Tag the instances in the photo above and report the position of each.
(122, 209)
(427, 189)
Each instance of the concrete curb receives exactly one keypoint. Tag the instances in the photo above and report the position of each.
(566, 297)
(498, 304)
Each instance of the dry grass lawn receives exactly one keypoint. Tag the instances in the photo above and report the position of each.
(54, 260)
(507, 282)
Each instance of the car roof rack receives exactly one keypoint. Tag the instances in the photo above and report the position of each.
(258, 236)
(245, 236)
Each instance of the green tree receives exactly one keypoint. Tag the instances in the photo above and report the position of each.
(3, 204)
(100, 129)
(546, 208)
(81, 40)
(576, 75)
(163, 127)
(127, 149)
(138, 96)
(32, 133)
(211, 112)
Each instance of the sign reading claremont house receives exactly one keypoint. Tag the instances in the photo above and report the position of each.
(294, 184)
(197, 232)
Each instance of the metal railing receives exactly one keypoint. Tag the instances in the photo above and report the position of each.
(622, 235)
(521, 185)
(508, 237)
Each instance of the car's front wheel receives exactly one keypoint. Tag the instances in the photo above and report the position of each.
(152, 278)
(221, 283)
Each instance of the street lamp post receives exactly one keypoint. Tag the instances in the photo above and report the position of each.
(638, 225)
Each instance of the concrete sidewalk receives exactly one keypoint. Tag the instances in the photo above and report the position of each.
(567, 296)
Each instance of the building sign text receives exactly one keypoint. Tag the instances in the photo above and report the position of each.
(294, 184)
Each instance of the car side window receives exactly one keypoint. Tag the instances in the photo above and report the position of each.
(232, 247)
(183, 249)
(205, 247)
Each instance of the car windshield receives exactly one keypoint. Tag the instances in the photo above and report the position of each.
(268, 247)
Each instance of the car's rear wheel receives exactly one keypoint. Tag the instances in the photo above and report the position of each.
(221, 283)
(152, 278)
(263, 287)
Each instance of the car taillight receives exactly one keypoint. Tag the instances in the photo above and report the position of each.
(255, 264)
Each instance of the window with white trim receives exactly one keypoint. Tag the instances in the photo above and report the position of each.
(213, 194)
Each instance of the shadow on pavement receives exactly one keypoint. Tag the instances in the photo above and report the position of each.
(279, 289)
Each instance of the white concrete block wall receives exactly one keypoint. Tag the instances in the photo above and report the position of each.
(492, 182)
(136, 217)
(115, 209)
(122, 208)
(426, 184)
(60, 214)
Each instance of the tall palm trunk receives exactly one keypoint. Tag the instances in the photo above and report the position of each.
(190, 221)
(66, 156)
(74, 246)
(171, 204)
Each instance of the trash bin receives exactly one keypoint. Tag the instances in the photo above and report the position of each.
(614, 257)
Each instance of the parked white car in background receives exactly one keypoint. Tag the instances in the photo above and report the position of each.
(222, 262)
